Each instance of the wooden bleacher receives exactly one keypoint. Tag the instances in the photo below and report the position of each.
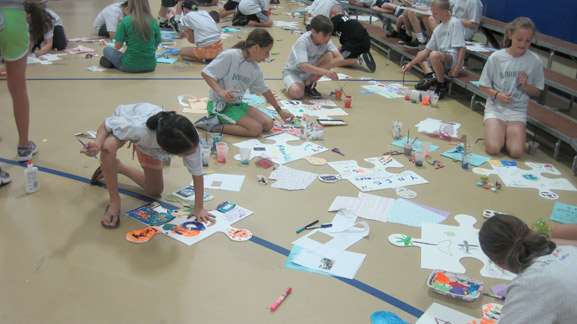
(545, 119)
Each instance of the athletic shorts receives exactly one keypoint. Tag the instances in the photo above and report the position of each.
(168, 3)
(259, 17)
(504, 114)
(450, 62)
(379, 3)
(231, 112)
(147, 161)
(289, 77)
(14, 38)
(210, 51)
(230, 5)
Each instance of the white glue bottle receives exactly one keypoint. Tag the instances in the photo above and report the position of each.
(31, 178)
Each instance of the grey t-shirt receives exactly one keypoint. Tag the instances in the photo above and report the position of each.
(546, 292)
(250, 7)
(57, 22)
(109, 16)
(233, 72)
(468, 10)
(500, 73)
(206, 32)
(320, 8)
(304, 50)
(448, 37)
(129, 123)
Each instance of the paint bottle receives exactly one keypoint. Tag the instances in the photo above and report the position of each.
(297, 122)
(304, 130)
(31, 178)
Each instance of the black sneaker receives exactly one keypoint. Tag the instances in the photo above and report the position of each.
(428, 80)
(366, 60)
(415, 44)
(393, 34)
(441, 89)
(312, 92)
(164, 25)
(405, 39)
(104, 62)
(173, 24)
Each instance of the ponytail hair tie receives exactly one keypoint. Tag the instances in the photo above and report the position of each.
(517, 240)
(159, 119)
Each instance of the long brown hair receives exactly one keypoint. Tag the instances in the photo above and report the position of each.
(141, 18)
(510, 28)
(259, 37)
(40, 20)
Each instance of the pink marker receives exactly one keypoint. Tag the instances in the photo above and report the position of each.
(280, 299)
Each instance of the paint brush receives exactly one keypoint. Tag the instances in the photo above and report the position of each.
(408, 133)
(342, 87)
(89, 151)
(414, 140)
(534, 135)
(403, 77)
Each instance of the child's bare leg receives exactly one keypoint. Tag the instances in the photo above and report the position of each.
(516, 136)
(430, 23)
(16, 71)
(328, 61)
(187, 53)
(437, 60)
(245, 126)
(414, 22)
(267, 23)
(296, 90)
(223, 13)
(494, 135)
(110, 174)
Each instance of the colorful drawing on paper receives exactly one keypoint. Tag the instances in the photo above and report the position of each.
(298, 108)
(443, 246)
(377, 178)
(564, 213)
(152, 214)
(280, 152)
(512, 176)
(491, 314)
(439, 314)
(385, 90)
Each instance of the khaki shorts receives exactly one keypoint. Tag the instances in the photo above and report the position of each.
(147, 161)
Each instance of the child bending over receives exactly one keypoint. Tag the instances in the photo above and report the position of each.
(201, 30)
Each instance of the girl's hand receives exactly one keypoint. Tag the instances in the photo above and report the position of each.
(286, 115)
(202, 215)
(505, 98)
(522, 78)
(228, 95)
(93, 147)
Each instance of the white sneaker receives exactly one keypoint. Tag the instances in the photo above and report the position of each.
(4, 177)
(208, 123)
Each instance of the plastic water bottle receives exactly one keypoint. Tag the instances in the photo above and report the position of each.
(31, 178)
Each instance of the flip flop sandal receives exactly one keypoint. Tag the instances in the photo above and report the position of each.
(96, 176)
(142, 235)
(111, 219)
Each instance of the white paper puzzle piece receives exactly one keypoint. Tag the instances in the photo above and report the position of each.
(443, 246)
(280, 152)
(512, 176)
(377, 178)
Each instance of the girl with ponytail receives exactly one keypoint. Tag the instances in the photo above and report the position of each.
(155, 134)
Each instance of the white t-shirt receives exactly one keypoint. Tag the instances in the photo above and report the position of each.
(500, 73)
(368, 3)
(320, 7)
(250, 7)
(57, 22)
(206, 32)
(109, 16)
(233, 72)
(304, 50)
(468, 10)
(129, 123)
(448, 37)
(546, 292)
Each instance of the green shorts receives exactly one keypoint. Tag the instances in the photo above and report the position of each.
(14, 38)
(231, 113)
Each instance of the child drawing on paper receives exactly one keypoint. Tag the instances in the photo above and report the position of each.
(511, 76)
(229, 75)
(155, 135)
(542, 267)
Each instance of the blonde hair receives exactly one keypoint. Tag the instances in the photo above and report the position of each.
(510, 28)
(141, 18)
(441, 4)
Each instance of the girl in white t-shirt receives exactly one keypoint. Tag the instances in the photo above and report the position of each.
(229, 75)
(201, 30)
(155, 134)
(510, 77)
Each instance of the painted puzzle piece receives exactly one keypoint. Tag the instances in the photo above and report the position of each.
(377, 178)
(491, 314)
(152, 214)
(298, 108)
(443, 246)
(280, 152)
(515, 177)
(382, 317)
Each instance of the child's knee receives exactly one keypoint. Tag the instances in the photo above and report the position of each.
(156, 191)
(436, 56)
(493, 148)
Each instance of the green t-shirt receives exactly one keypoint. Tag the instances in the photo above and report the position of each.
(140, 55)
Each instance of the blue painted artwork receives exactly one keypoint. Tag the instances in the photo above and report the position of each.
(564, 213)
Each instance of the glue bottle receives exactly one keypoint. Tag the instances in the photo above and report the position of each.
(31, 178)
(303, 129)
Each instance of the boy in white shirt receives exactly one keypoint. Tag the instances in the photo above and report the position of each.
(108, 19)
(256, 12)
(312, 56)
(445, 51)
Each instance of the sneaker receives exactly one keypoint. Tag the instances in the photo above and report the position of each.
(25, 152)
(415, 44)
(441, 89)
(208, 123)
(4, 177)
(393, 34)
(405, 39)
(164, 25)
(105, 63)
(312, 92)
(366, 60)
(173, 24)
(428, 80)
(206, 61)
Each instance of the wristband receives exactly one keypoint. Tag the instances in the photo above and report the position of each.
(496, 93)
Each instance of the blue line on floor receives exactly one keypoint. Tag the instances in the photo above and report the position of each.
(255, 239)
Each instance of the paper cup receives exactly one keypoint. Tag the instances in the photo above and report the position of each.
(205, 151)
(397, 128)
(466, 160)
(245, 155)
(414, 96)
(434, 100)
(426, 147)
(533, 148)
(338, 94)
(420, 157)
(408, 148)
(348, 101)
(221, 152)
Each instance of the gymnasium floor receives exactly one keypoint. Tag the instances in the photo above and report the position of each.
(58, 265)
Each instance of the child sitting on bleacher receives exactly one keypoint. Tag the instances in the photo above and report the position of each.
(509, 78)
(445, 51)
